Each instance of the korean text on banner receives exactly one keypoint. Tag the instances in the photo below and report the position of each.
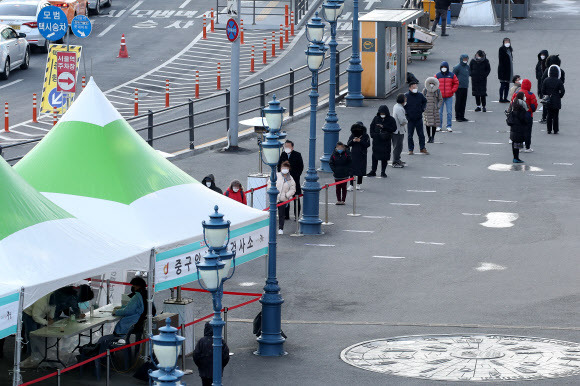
(66, 71)
(8, 314)
(177, 266)
(51, 97)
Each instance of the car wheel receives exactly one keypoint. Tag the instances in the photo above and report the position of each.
(109, 3)
(25, 64)
(6, 73)
(97, 10)
(44, 49)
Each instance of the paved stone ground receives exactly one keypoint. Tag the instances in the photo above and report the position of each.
(341, 295)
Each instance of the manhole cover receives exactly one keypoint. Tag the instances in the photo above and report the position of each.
(480, 358)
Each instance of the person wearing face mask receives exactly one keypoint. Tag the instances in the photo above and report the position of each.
(416, 104)
(541, 66)
(448, 84)
(479, 70)
(517, 81)
(553, 88)
(532, 105)
(462, 73)
(286, 190)
(505, 69)
(209, 181)
(441, 7)
(552, 60)
(518, 126)
(358, 143)
(296, 169)
(382, 128)
(434, 101)
(340, 163)
(399, 135)
(236, 192)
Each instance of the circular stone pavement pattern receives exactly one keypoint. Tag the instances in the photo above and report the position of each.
(480, 358)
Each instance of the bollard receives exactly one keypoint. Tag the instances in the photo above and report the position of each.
(136, 109)
(219, 76)
(211, 21)
(6, 119)
(286, 15)
(273, 44)
(204, 37)
(109, 367)
(286, 38)
(326, 222)
(292, 23)
(241, 31)
(297, 230)
(281, 37)
(265, 55)
(354, 213)
(84, 82)
(252, 61)
(54, 116)
(34, 109)
(166, 92)
(196, 84)
(226, 325)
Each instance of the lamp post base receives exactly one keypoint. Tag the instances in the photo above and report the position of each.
(353, 100)
(271, 341)
(331, 132)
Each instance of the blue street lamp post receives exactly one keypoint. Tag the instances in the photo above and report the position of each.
(310, 223)
(271, 342)
(331, 10)
(217, 267)
(167, 348)
(354, 98)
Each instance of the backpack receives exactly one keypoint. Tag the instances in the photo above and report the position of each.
(510, 120)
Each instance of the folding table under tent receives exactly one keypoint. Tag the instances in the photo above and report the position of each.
(43, 248)
(95, 166)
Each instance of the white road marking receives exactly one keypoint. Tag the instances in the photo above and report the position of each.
(508, 201)
(247, 283)
(403, 204)
(390, 257)
(184, 4)
(137, 5)
(376, 217)
(490, 267)
(320, 245)
(370, 3)
(355, 231)
(437, 178)
(471, 214)
(36, 128)
(421, 191)
(428, 242)
(106, 30)
(475, 153)
(500, 220)
(451, 164)
(542, 175)
(491, 143)
(11, 83)
(563, 163)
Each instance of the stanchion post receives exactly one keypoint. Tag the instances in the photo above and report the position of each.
(252, 197)
(108, 367)
(291, 93)
(326, 222)
(150, 127)
(354, 213)
(226, 325)
(108, 291)
(297, 231)
(183, 347)
(58, 377)
(262, 93)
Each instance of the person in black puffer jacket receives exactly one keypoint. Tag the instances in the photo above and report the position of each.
(521, 121)
(553, 87)
(541, 66)
(209, 181)
(479, 70)
(505, 69)
(340, 163)
(358, 143)
(382, 128)
(203, 355)
(551, 60)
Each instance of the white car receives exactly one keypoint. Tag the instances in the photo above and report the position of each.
(14, 51)
(21, 15)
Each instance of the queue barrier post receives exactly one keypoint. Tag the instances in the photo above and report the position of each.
(297, 231)
(226, 325)
(252, 197)
(183, 347)
(326, 222)
(108, 379)
(354, 213)
(58, 377)
(191, 123)
(108, 291)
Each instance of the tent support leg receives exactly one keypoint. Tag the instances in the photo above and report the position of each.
(150, 294)
(16, 378)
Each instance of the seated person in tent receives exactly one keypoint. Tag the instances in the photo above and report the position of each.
(39, 314)
(67, 299)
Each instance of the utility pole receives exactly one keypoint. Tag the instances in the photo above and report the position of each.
(502, 15)
(235, 79)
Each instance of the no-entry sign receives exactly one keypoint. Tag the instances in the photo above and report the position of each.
(232, 30)
(66, 71)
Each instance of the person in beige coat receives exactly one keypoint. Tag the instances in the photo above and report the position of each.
(434, 100)
(286, 190)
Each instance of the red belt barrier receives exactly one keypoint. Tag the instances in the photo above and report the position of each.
(285, 202)
(83, 362)
(225, 292)
(341, 182)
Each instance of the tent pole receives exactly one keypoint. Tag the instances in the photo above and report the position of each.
(150, 293)
(16, 378)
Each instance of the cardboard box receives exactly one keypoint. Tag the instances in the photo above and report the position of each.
(423, 34)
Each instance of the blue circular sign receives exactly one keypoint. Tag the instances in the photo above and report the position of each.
(232, 30)
(81, 26)
(52, 23)
(56, 98)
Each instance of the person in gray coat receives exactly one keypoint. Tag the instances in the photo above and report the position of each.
(399, 136)
(434, 101)
(462, 73)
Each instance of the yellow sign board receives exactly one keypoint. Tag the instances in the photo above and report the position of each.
(52, 99)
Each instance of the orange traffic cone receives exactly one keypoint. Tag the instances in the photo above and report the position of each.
(123, 51)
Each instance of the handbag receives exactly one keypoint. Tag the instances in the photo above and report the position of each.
(546, 100)
(510, 120)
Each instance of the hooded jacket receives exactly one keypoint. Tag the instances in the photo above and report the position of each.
(554, 87)
(521, 122)
(448, 82)
(211, 179)
(479, 70)
(531, 100)
(462, 72)
(434, 101)
(238, 196)
(541, 66)
(381, 133)
(340, 164)
(505, 67)
(358, 150)
(203, 353)
(551, 60)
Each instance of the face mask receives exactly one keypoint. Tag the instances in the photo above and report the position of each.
(287, 150)
(542, 57)
(236, 190)
(477, 57)
(465, 62)
(415, 90)
(208, 184)
(339, 151)
(285, 171)
(383, 116)
(507, 45)
(444, 69)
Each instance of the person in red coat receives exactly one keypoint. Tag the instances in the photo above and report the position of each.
(448, 84)
(532, 103)
(236, 192)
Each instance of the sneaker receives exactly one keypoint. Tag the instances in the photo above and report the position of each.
(484, 110)
(528, 150)
(542, 121)
(549, 132)
(410, 152)
(444, 34)
(438, 129)
(424, 151)
(402, 163)
(349, 188)
(555, 132)
(372, 174)
(397, 165)
(449, 130)
(340, 203)
(280, 232)
(478, 109)
(384, 175)
(461, 120)
(358, 187)
(518, 161)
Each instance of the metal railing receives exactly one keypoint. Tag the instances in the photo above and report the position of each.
(213, 110)
(250, 8)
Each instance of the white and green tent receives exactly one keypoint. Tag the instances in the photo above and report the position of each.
(43, 247)
(95, 166)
